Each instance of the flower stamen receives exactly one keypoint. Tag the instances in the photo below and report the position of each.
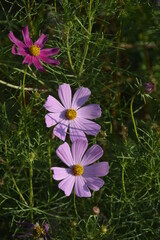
(34, 50)
(71, 114)
(77, 170)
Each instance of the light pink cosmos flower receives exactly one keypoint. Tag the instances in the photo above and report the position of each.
(33, 53)
(72, 114)
(80, 174)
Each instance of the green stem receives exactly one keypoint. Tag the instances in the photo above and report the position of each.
(134, 124)
(24, 78)
(75, 207)
(88, 40)
(29, 16)
(68, 52)
(55, 6)
(31, 187)
(12, 177)
(123, 182)
(50, 164)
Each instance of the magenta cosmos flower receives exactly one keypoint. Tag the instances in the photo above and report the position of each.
(80, 173)
(71, 113)
(33, 53)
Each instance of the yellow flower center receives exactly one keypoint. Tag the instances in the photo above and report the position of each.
(71, 114)
(34, 50)
(77, 170)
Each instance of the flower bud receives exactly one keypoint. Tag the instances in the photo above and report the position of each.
(103, 229)
(96, 210)
(73, 223)
(148, 87)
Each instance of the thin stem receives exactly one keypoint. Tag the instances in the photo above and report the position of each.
(134, 124)
(24, 78)
(19, 87)
(50, 164)
(75, 207)
(12, 177)
(88, 40)
(29, 16)
(31, 186)
(68, 52)
(123, 182)
(55, 6)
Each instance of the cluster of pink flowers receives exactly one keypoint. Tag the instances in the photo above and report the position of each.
(69, 113)
(80, 174)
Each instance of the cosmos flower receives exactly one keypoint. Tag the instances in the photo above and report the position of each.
(33, 231)
(33, 53)
(80, 174)
(148, 87)
(71, 113)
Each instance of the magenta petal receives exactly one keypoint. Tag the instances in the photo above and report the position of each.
(76, 133)
(60, 173)
(22, 52)
(37, 64)
(52, 118)
(48, 60)
(65, 95)
(52, 105)
(87, 126)
(67, 185)
(90, 111)
(49, 52)
(64, 153)
(28, 60)
(80, 97)
(93, 154)
(26, 37)
(81, 189)
(14, 50)
(96, 170)
(19, 51)
(78, 149)
(61, 130)
(94, 183)
(15, 40)
(41, 40)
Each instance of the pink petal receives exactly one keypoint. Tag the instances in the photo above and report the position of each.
(87, 126)
(14, 50)
(96, 170)
(26, 37)
(22, 52)
(18, 51)
(61, 130)
(41, 40)
(37, 64)
(90, 111)
(94, 183)
(64, 153)
(75, 133)
(67, 185)
(60, 173)
(80, 97)
(78, 149)
(52, 105)
(81, 189)
(93, 154)
(28, 60)
(65, 95)
(15, 40)
(49, 52)
(48, 60)
(53, 118)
